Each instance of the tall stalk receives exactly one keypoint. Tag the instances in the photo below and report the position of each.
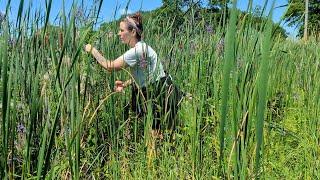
(262, 84)
(228, 63)
(4, 78)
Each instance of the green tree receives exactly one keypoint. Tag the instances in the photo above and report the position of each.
(171, 11)
(217, 4)
(177, 12)
(295, 15)
(219, 7)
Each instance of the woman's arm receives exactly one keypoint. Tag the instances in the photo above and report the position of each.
(117, 64)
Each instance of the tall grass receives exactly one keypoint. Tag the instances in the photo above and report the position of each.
(262, 90)
(5, 99)
(229, 59)
(253, 113)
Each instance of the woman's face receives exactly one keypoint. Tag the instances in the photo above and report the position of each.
(124, 34)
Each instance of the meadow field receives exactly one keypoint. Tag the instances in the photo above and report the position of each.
(254, 110)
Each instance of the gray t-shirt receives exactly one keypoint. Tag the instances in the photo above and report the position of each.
(144, 65)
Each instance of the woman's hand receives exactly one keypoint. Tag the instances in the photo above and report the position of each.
(88, 47)
(118, 86)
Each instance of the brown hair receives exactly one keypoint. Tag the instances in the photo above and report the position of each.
(134, 21)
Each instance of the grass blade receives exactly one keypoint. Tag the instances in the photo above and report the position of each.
(262, 90)
(228, 63)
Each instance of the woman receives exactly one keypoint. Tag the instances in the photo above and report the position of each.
(149, 81)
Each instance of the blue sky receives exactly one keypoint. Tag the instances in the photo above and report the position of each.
(109, 6)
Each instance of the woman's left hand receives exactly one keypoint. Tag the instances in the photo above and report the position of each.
(118, 86)
(88, 48)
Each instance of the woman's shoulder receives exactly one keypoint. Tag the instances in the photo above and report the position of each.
(142, 46)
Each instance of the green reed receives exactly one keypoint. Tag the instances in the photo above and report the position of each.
(5, 100)
(229, 59)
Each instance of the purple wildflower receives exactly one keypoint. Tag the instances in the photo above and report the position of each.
(21, 128)
(209, 29)
(11, 42)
